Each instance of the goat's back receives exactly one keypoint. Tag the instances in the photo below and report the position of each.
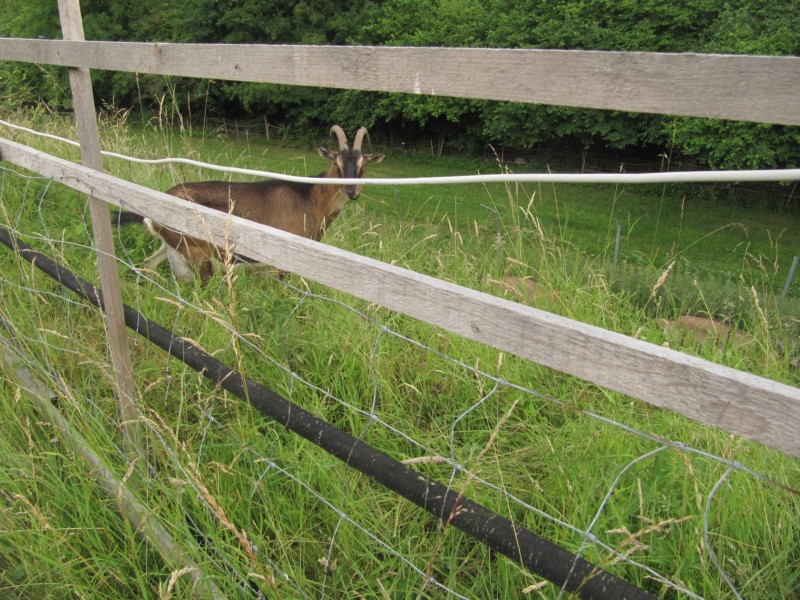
(284, 205)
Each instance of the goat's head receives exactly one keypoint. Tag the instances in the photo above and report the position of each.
(350, 163)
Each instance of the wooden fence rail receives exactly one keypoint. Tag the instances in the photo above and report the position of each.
(763, 89)
(741, 403)
(749, 88)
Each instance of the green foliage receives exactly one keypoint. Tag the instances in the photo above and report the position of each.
(714, 26)
(735, 145)
(32, 19)
(628, 25)
(424, 23)
(759, 27)
(27, 85)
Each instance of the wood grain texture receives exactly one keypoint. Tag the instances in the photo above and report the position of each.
(89, 137)
(746, 405)
(749, 88)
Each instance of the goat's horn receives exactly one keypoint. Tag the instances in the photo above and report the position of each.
(340, 136)
(359, 138)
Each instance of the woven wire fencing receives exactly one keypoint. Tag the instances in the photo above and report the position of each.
(643, 493)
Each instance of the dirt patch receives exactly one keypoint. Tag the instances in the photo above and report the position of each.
(697, 330)
(527, 289)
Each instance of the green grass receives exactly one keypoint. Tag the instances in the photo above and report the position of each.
(220, 462)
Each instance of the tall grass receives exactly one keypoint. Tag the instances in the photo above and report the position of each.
(320, 529)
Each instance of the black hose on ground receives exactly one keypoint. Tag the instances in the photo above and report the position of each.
(538, 555)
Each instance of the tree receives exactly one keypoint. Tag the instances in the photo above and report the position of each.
(721, 26)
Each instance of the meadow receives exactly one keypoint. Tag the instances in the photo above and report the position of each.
(279, 514)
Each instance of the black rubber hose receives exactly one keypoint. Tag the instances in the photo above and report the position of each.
(538, 555)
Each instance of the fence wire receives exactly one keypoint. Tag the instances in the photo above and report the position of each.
(645, 511)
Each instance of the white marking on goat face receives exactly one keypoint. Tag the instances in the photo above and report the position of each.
(350, 164)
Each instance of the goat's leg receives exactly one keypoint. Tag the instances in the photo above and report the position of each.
(153, 262)
(179, 264)
(206, 269)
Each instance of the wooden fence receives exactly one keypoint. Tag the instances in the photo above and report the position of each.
(749, 88)
(755, 88)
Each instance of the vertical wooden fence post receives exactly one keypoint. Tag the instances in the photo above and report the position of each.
(89, 137)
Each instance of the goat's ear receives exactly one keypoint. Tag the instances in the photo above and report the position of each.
(325, 153)
(374, 158)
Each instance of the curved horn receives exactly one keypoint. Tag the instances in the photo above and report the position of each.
(359, 138)
(340, 136)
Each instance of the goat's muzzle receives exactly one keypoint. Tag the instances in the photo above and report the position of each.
(352, 191)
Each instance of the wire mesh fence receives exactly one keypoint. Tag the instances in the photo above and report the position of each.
(640, 492)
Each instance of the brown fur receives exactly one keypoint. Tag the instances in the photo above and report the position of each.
(300, 208)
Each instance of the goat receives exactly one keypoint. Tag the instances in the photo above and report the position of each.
(301, 208)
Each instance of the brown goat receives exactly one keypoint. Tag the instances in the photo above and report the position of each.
(304, 209)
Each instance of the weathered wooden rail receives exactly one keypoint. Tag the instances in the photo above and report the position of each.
(748, 88)
(764, 89)
(743, 404)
